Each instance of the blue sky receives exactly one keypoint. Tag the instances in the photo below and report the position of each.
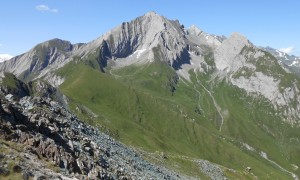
(25, 23)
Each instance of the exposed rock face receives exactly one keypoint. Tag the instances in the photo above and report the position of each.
(211, 170)
(41, 59)
(49, 131)
(10, 84)
(140, 36)
(227, 55)
(152, 37)
(259, 83)
(258, 73)
(202, 39)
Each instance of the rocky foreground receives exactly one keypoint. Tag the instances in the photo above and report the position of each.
(40, 139)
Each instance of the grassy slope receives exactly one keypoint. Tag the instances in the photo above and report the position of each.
(255, 118)
(11, 81)
(11, 148)
(141, 111)
(253, 122)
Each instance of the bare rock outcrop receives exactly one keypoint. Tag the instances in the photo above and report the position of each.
(48, 131)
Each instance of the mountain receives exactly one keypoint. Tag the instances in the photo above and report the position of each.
(40, 61)
(281, 55)
(5, 57)
(212, 106)
(291, 62)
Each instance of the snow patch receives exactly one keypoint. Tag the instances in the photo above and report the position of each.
(294, 63)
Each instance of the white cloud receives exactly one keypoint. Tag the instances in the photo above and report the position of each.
(44, 8)
(287, 50)
(5, 57)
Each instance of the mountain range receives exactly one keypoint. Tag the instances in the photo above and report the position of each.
(165, 89)
(290, 62)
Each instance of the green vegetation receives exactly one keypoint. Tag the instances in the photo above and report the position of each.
(254, 122)
(209, 59)
(138, 106)
(10, 81)
(13, 85)
(7, 147)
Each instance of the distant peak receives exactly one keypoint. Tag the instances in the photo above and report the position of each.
(151, 13)
(239, 37)
(55, 42)
(195, 30)
(194, 27)
(153, 16)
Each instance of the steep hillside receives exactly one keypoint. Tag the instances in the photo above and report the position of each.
(37, 132)
(139, 109)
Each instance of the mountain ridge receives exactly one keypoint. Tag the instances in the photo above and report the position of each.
(151, 37)
(290, 62)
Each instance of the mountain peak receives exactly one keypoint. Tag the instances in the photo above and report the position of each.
(194, 30)
(238, 37)
(56, 43)
(139, 36)
(152, 14)
(225, 55)
(153, 18)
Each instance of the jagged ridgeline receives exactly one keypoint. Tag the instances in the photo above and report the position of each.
(203, 105)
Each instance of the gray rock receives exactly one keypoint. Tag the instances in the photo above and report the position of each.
(77, 149)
